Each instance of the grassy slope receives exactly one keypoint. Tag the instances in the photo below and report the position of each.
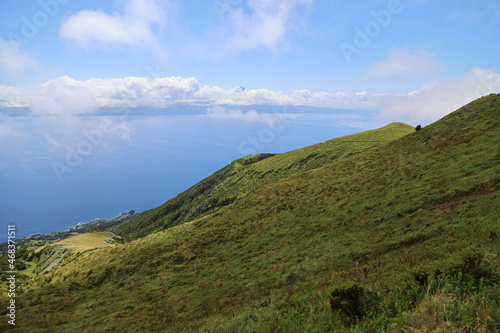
(241, 177)
(83, 242)
(268, 262)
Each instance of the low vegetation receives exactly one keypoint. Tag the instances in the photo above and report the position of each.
(393, 238)
(96, 226)
(83, 242)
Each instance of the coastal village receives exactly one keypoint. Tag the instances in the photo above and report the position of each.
(98, 221)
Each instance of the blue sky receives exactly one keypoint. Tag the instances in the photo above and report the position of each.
(397, 57)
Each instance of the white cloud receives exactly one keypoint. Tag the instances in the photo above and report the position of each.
(433, 101)
(63, 97)
(402, 62)
(13, 61)
(138, 24)
(265, 25)
(333, 100)
(257, 24)
(12, 97)
(140, 91)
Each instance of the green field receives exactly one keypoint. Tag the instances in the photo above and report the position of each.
(83, 242)
(374, 233)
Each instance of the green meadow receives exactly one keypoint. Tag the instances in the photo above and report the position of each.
(390, 230)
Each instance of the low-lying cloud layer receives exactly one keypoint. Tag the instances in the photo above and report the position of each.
(433, 101)
(65, 96)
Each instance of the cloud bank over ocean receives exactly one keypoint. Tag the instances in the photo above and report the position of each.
(65, 96)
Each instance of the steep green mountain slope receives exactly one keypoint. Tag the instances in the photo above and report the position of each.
(414, 222)
(241, 177)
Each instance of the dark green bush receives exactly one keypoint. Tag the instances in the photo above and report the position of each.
(20, 265)
(347, 298)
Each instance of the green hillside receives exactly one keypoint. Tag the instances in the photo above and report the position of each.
(83, 242)
(241, 177)
(402, 237)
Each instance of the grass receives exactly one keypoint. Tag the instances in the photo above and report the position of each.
(95, 226)
(83, 242)
(269, 261)
(30, 269)
(455, 305)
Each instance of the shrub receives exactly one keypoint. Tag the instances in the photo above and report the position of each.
(418, 128)
(21, 265)
(347, 299)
